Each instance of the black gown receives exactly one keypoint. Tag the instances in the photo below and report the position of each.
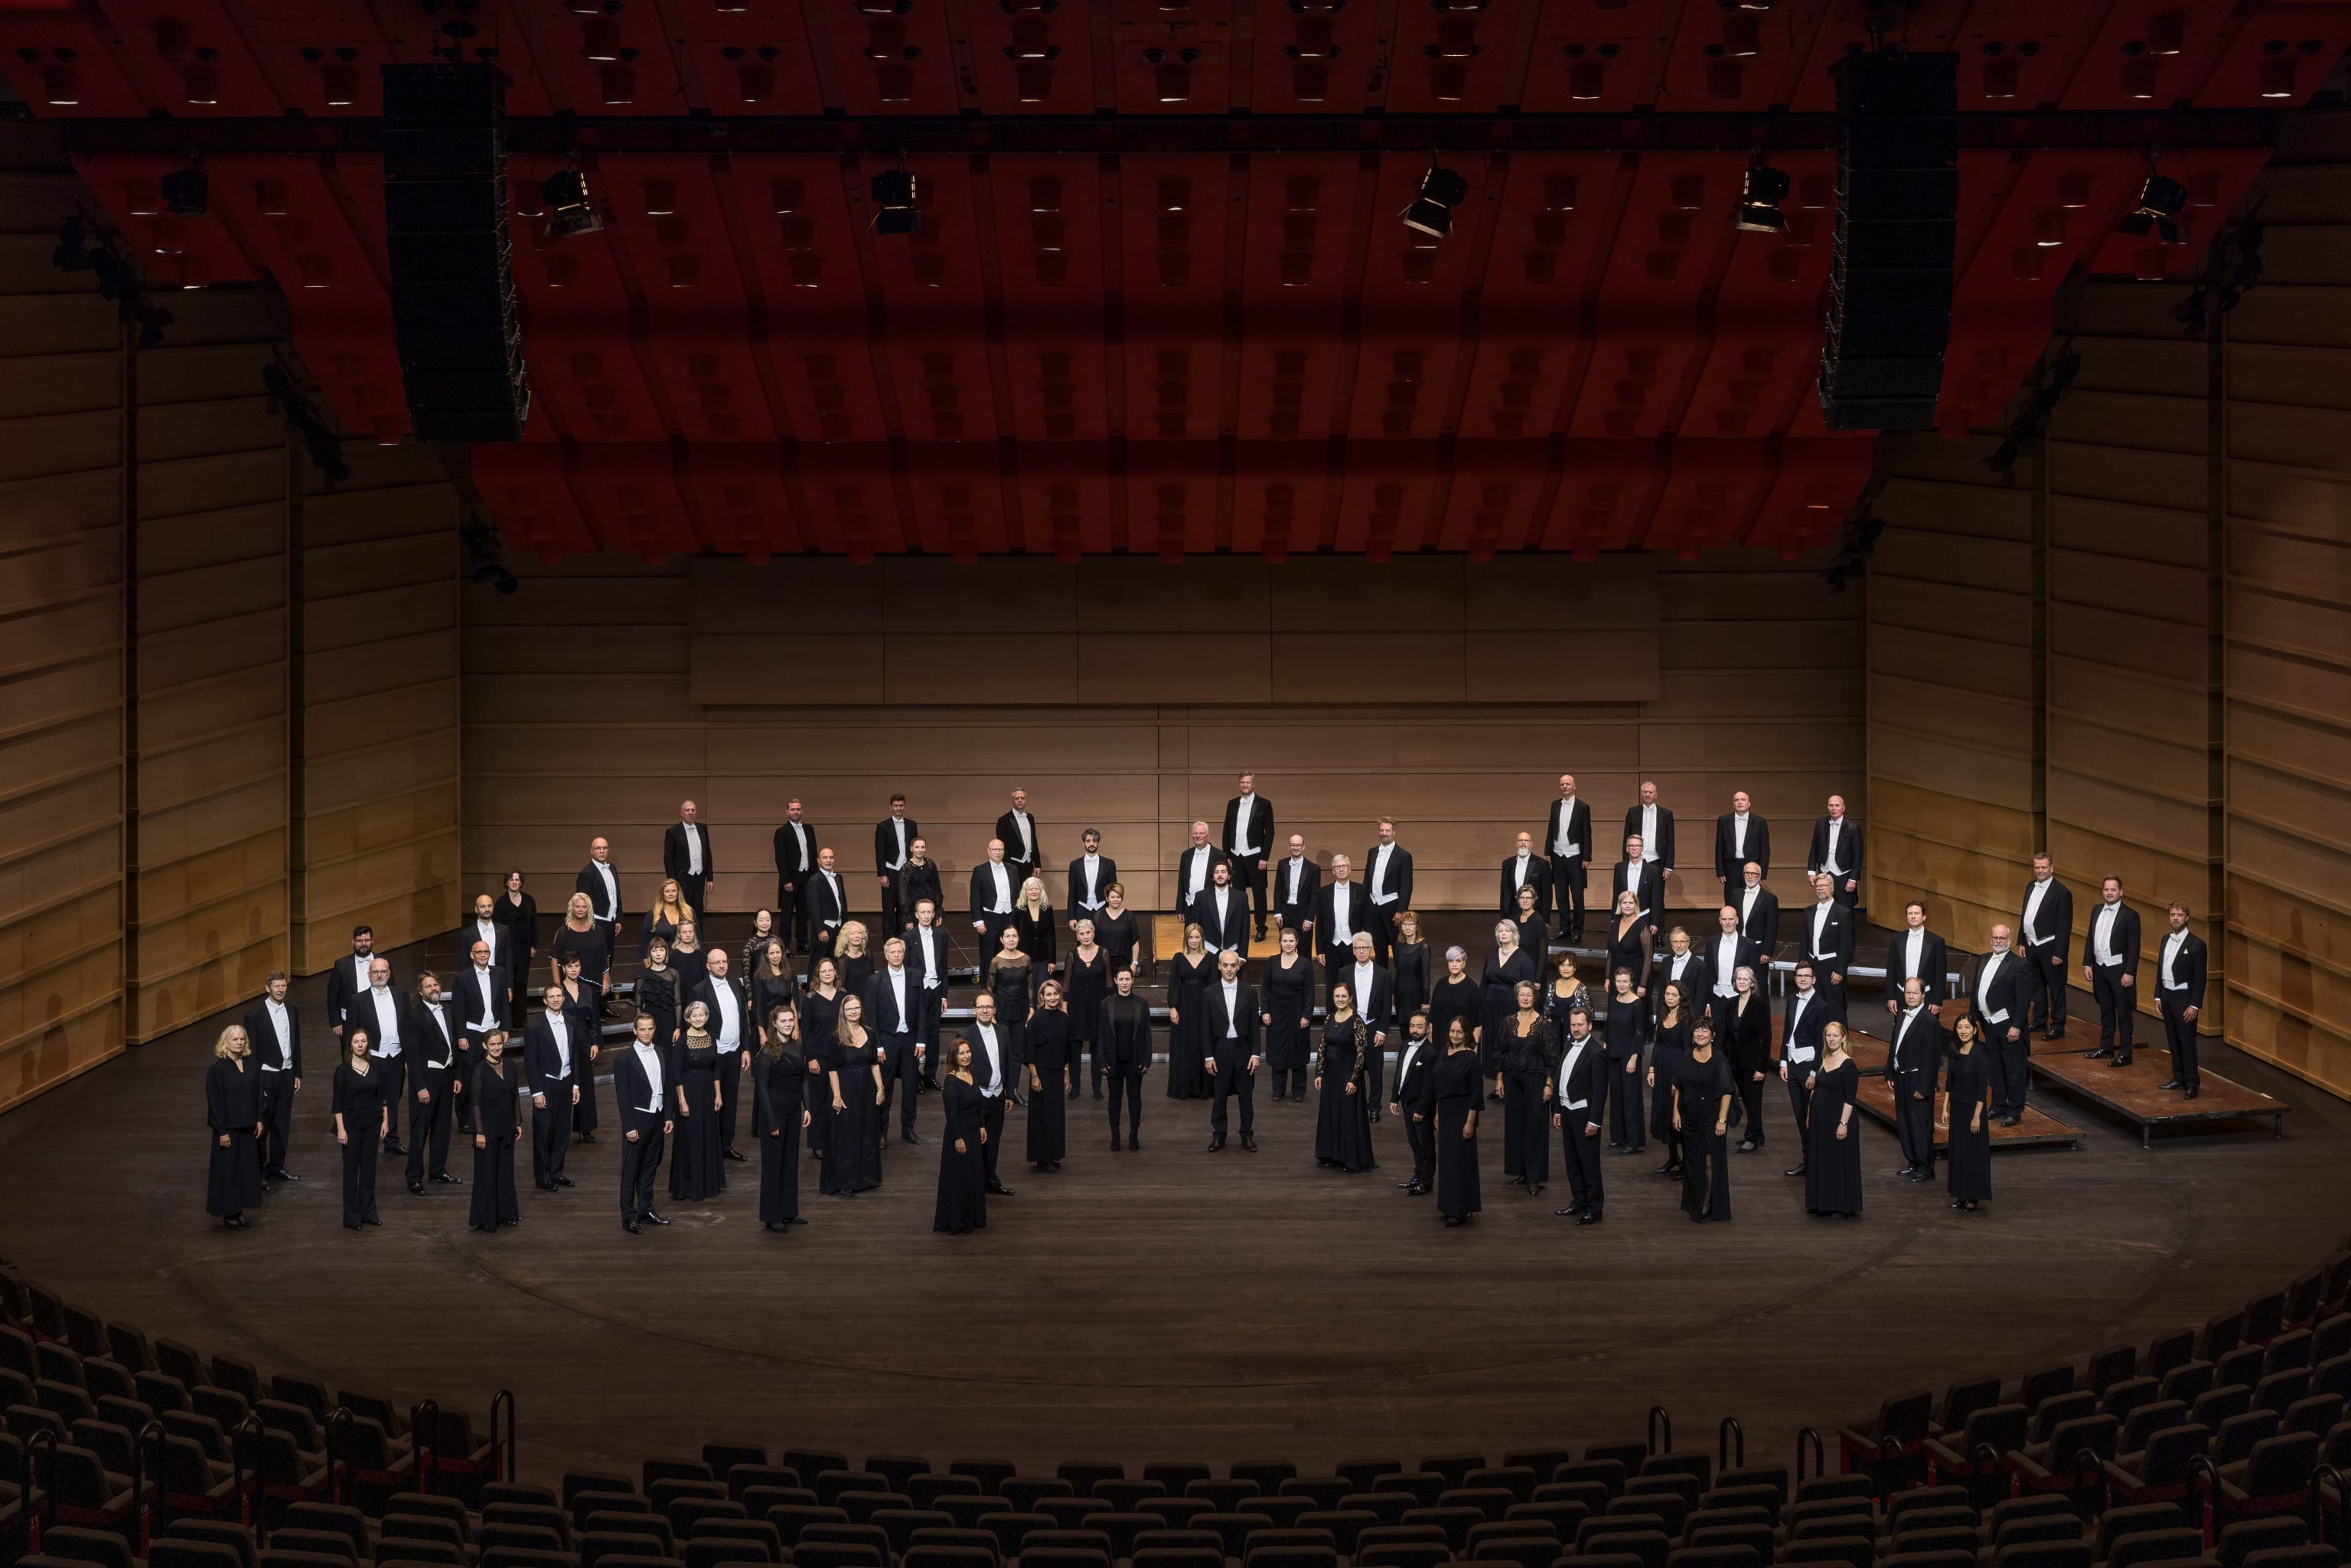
(1621, 1036)
(1666, 1056)
(1451, 1000)
(1833, 1165)
(583, 1012)
(1049, 1109)
(963, 1178)
(233, 1106)
(1117, 937)
(697, 1163)
(1288, 997)
(853, 1159)
(1526, 1062)
(592, 946)
(778, 1082)
(1968, 1078)
(1410, 975)
(492, 1096)
(854, 972)
(1625, 952)
(1343, 1123)
(519, 921)
(1497, 999)
(1699, 1089)
(1008, 984)
(1187, 1042)
(820, 1016)
(1460, 1091)
(358, 1100)
(656, 997)
(1083, 986)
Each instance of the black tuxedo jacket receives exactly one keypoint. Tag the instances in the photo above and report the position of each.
(264, 1038)
(1836, 944)
(674, 857)
(1707, 947)
(920, 967)
(793, 862)
(1933, 965)
(1009, 831)
(591, 882)
(1378, 1009)
(1762, 923)
(983, 1065)
(1697, 976)
(705, 991)
(1232, 931)
(1359, 917)
(632, 1088)
(1579, 833)
(1650, 889)
(363, 1014)
(1849, 852)
(826, 909)
(1181, 894)
(1538, 877)
(431, 1047)
(1582, 1086)
(1415, 1085)
(983, 891)
(2124, 941)
(501, 941)
(465, 992)
(344, 982)
(1309, 890)
(1918, 1051)
(1246, 1046)
(2055, 925)
(1105, 872)
(540, 1064)
(1728, 864)
(885, 843)
(1663, 848)
(1398, 880)
(1260, 827)
(881, 1015)
(2010, 991)
(2189, 968)
(1803, 1030)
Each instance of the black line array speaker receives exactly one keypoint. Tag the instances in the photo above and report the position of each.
(1898, 204)
(453, 294)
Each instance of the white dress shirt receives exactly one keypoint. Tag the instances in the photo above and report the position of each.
(992, 1086)
(2171, 946)
(1003, 875)
(1648, 833)
(2033, 897)
(1564, 844)
(436, 1013)
(928, 935)
(485, 1006)
(1379, 874)
(2102, 936)
(283, 1026)
(1821, 912)
(1027, 838)
(487, 931)
(1913, 942)
(649, 1058)
(1342, 922)
(387, 1020)
(1829, 859)
(1244, 842)
(1726, 965)
(1297, 866)
(1362, 985)
(727, 1021)
(1090, 880)
(1519, 876)
(898, 994)
(840, 902)
(1575, 1049)
(1739, 834)
(1224, 901)
(898, 828)
(561, 1031)
(693, 848)
(1747, 896)
(1198, 878)
(1795, 1015)
(1232, 1009)
(1984, 978)
(800, 837)
(611, 890)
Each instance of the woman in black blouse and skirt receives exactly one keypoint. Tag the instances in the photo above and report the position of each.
(1967, 1079)
(690, 958)
(232, 1112)
(497, 1128)
(1832, 1160)
(773, 984)
(779, 1074)
(1087, 973)
(1455, 996)
(1048, 1060)
(962, 1204)
(819, 1010)
(1123, 1048)
(362, 1120)
(1288, 1015)
(1528, 1053)
(1703, 1095)
(583, 1013)
(1460, 1090)
(517, 916)
(1676, 1012)
(1343, 1127)
(1747, 1020)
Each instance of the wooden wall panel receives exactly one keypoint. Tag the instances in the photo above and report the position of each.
(61, 642)
(1353, 689)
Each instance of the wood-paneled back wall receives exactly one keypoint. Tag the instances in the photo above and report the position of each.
(1127, 695)
(187, 608)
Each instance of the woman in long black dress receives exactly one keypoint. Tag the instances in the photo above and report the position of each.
(1747, 1022)
(1703, 1093)
(1498, 994)
(1120, 937)
(1408, 966)
(517, 916)
(1343, 1127)
(773, 984)
(1460, 1090)
(1529, 1049)
(819, 1009)
(1676, 1012)
(232, 1112)
(857, 958)
(852, 1160)
(1033, 922)
(362, 1120)
(763, 931)
(1534, 936)
(1455, 996)
(577, 936)
(668, 912)
(657, 994)
(1833, 1161)
(1188, 974)
(778, 1073)
(1630, 943)
(1123, 1047)
(1622, 1039)
(497, 1128)
(1005, 973)
(1288, 1014)
(1049, 1057)
(689, 957)
(1087, 972)
(1565, 993)
(963, 1162)
(583, 1013)
(698, 1169)
(1967, 1079)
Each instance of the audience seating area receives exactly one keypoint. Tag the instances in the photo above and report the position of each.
(2222, 1446)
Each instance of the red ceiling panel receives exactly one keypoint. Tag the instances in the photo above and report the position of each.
(1297, 252)
(1596, 59)
(1491, 505)
(750, 59)
(1048, 235)
(193, 57)
(1171, 59)
(897, 60)
(630, 492)
(1675, 221)
(2147, 53)
(1707, 498)
(1818, 480)
(1384, 498)
(850, 501)
(1065, 508)
(529, 488)
(1277, 500)
(1032, 58)
(2016, 54)
(2279, 54)
(670, 228)
(1170, 500)
(1768, 312)
(2217, 180)
(63, 68)
(1530, 317)
(578, 334)
(744, 496)
(616, 60)
(802, 237)
(1411, 293)
(1320, 61)
(177, 251)
(1176, 239)
(1605, 491)
(958, 500)
(1731, 57)
(934, 292)
(1452, 59)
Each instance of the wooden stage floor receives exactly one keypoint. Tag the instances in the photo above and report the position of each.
(2135, 1094)
(1164, 1304)
(2036, 1129)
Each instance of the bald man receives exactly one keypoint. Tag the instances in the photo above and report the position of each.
(601, 880)
(686, 856)
(1836, 850)
(1193, 868)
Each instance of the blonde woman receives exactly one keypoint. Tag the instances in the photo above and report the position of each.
(1188, 974)
(668, 913)
(854, 949)
(232, 1112)
(583, 936)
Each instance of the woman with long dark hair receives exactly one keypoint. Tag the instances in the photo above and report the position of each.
(1460, 1090)
(962, 1204)
(362, 1120)
(819, 1010)
(232, 1113)
(853, 1159)
(1408, 965)
(1528, 1051)
(656, 994)
(1005, 974)
(1343, 1126)
(583, 1014)
(1703, 1096)
(1189, 974)
(773, 984)
(1623, 1033)
(1967, 1079)
(777, 1075)
(1676, 1012)
(517, 916)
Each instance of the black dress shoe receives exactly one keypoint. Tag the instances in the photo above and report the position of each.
(285, 1175)
(796, 1220)
(998, 1189)
(632, 1227)
(1134, 1141)
(2058, 1032)
(544, 1186)
(445, 1178)
(734, 1154)
(1572, 1209)
(907, 1136)
(1215, 1141)
(563, 1181)
(587, 1138)
(2175, 1083)
(650, 1218)
(417, 1188)
(1114, 1144)
(2119, 1061)
(394, 1147)
(1248, 1142)
(371, 1219)
(2192, 1090)
(2100, 1054)
(779, 1227)
(1589, 1217)
(1797, 1171)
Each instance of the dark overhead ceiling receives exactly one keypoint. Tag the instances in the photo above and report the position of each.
(1159, 300)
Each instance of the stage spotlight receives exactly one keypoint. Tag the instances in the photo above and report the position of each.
(1431, 212)
(893, 192)
(569, 210)
(184, 191)
(1760, 195)
(2160, 202)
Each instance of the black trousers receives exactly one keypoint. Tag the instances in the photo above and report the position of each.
(1580, 1153)
(730, 1085)
(359, 1157)
(1832, 992)
(551, 1134)
(1914, 1120)
(1626, 1127)
(1251, 875)
(2180, 1034)
(1567, 895)
(2049, 999)
(899, 1073)
(395, 1089)
(1381, 924)
(1800, 1101)
(640, 1163)
(991, 1122)
(690, 888)
(791, 914)
(1420, 1135)
(583, 1115)
(277, 1116)
(429, 1123)
(1234, 1078)
(892, 921)
(1750, 1094)
(1129, 1087)
(2118, 1005)
(2009, 1075)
